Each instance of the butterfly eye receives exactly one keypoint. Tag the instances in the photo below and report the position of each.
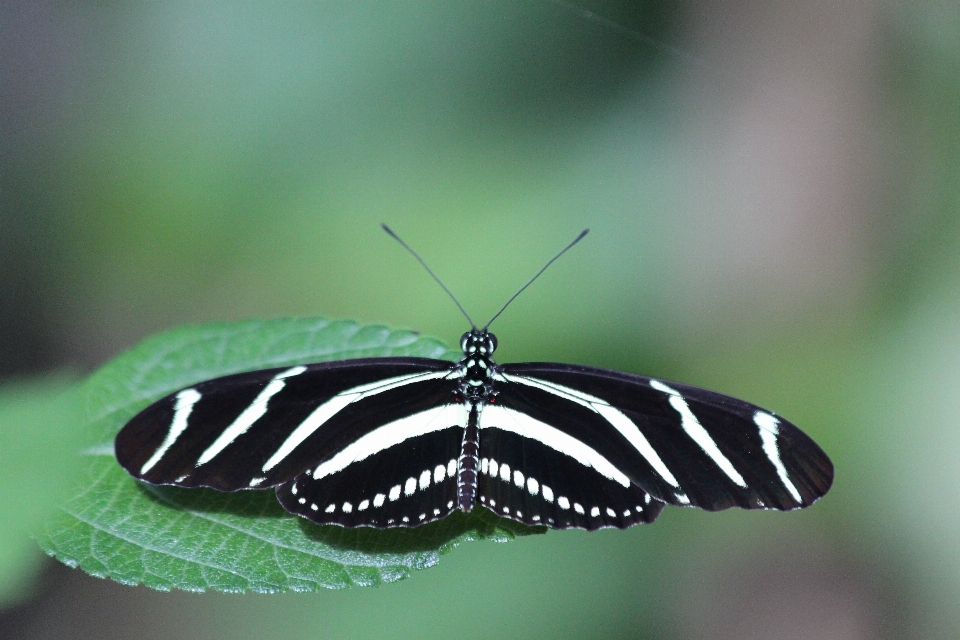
(491, 343)
(465, 340)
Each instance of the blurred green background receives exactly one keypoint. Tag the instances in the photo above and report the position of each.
(775, 213)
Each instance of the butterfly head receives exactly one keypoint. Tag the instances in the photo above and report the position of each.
(477, 366)
(477, 342)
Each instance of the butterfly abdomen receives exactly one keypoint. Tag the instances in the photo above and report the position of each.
(468, 463)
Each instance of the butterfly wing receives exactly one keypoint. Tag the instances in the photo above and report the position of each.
(682, 445)
(526, 480)
(374, 482)
(263, 428)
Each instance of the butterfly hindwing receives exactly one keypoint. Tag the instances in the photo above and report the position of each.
(263, 428)
(684, 445)
(405, 485)
(522, 479)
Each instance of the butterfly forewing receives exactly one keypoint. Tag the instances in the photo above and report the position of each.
(683, 445)
(263, 428)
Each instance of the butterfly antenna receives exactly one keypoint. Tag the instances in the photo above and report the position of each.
(552, 260)
(430, 271)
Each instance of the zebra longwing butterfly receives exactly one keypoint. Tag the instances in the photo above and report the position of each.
(399, 442)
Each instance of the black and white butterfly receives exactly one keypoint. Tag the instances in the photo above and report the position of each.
(398, 442)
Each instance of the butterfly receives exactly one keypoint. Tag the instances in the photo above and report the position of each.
(403, 441)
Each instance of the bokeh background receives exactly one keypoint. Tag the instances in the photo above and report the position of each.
(774, 193)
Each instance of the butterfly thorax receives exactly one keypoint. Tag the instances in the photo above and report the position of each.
(477, 366)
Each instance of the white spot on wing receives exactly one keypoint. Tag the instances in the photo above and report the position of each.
(439, 474)
(424, 479)
(563, 502)
(769, 430)
(547, 493)
(256, 481)
(394, 492)
(518, 479)
(410, 486)
(505, 472)
(451, 467)
(533, 486)
(330, 508)
(181, 412)
(595, 512)
(493, 468)
(250, 415)
(363, 505)
(612, 513)
(484, 466)
(379, 498)
(578, 508)
(347, 507)
(696, 431)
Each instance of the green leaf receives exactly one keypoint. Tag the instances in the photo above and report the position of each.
(198, 539)
(38, 443)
